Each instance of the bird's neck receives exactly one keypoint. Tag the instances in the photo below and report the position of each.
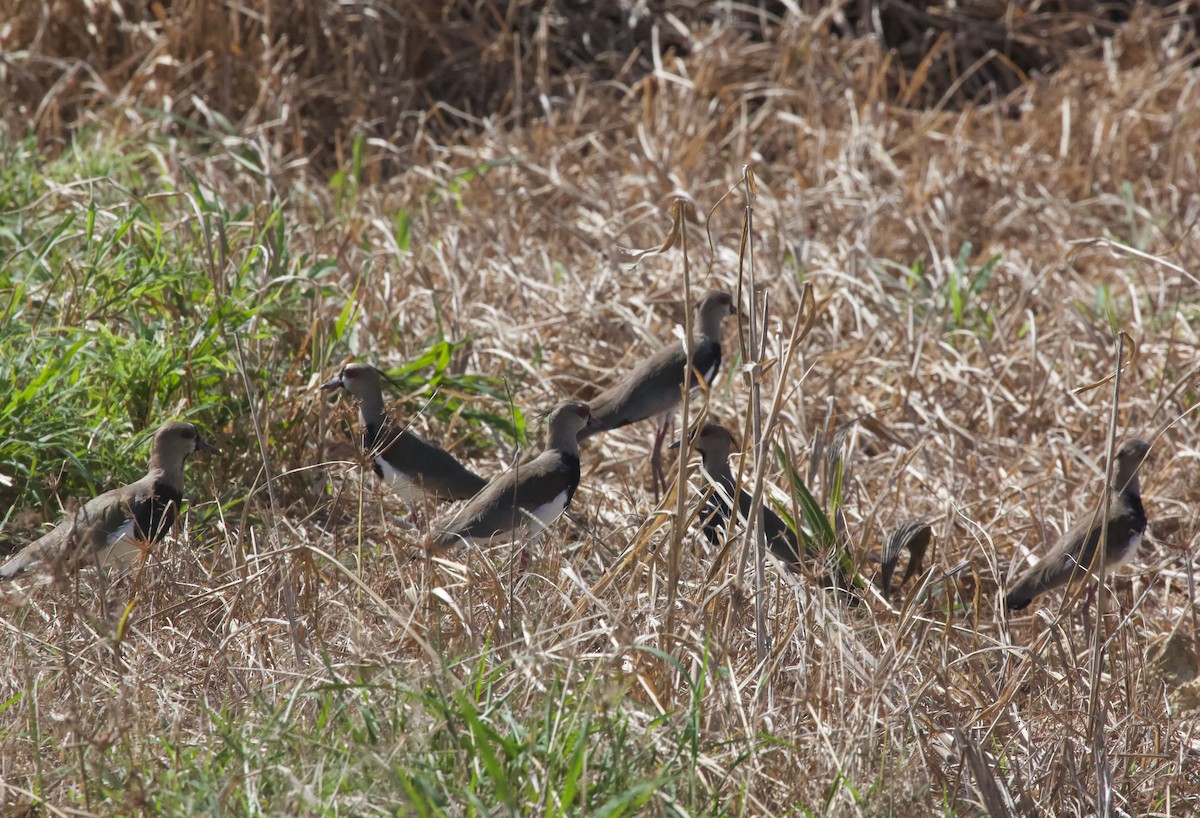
(564, 441)
(708, 327)
(370, 412)
(1127, 485)
(170, 474)
(718, 469)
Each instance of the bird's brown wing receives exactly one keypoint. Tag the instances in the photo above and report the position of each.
(1070, 557)
(86, 530)
(504, 505)
(433, 468)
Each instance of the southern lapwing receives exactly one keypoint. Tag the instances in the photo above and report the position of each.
(529, 497)
(409, 464)
(715, 444)
(1072, 555)
(109, 528)
(655, 386)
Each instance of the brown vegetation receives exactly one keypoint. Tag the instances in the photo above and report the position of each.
(530, 147)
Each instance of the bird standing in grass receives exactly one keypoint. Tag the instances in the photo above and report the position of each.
(1072, 556)
(655, 386)
(409, 464)
(715, 444)
(528, 497)
(111, 529)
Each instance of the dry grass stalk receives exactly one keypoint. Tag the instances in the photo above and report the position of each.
(938, 703)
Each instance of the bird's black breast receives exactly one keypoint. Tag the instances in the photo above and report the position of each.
(1127, 526)
(153, 515)
(569, 468)
(1137, 512)
(706, 359)
(780, 539)
(714, 516)
(377, 439)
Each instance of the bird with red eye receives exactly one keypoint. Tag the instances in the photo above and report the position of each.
(528, 498)
(654, 387)
(407, 463)
(112, 529)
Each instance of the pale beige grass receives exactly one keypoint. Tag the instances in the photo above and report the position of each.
(986, 435)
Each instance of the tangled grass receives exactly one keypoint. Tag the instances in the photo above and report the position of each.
(971, 266)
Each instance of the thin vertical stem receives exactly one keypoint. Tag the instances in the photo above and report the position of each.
(288, 589)
(756, 536)
(674, 557)
(1096, 714)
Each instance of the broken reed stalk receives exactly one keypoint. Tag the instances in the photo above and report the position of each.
(1096, 713)
(679, 229)
(755, 532)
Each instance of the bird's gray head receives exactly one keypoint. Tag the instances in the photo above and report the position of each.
(1133, 450)
(360, 380)
(712, 309)
(712, 440)
(1129, 459)
(174, 442)
(568, 418)
(716, 302)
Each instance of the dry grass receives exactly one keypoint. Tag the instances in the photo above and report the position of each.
(967, 407)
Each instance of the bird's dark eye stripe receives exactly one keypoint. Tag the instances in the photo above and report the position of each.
(187, 434)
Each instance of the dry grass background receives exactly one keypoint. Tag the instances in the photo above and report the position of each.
(524, 177)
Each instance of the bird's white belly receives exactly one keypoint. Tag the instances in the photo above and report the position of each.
(1129, 553)
(125, 532)
(399, 482)
(549, 512)
(529, 521)
(120, 547)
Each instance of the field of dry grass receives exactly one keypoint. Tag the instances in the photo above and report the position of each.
(972, 259)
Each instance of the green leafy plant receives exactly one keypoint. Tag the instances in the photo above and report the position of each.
(959, 300)
(114, 320)
(817, 528)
